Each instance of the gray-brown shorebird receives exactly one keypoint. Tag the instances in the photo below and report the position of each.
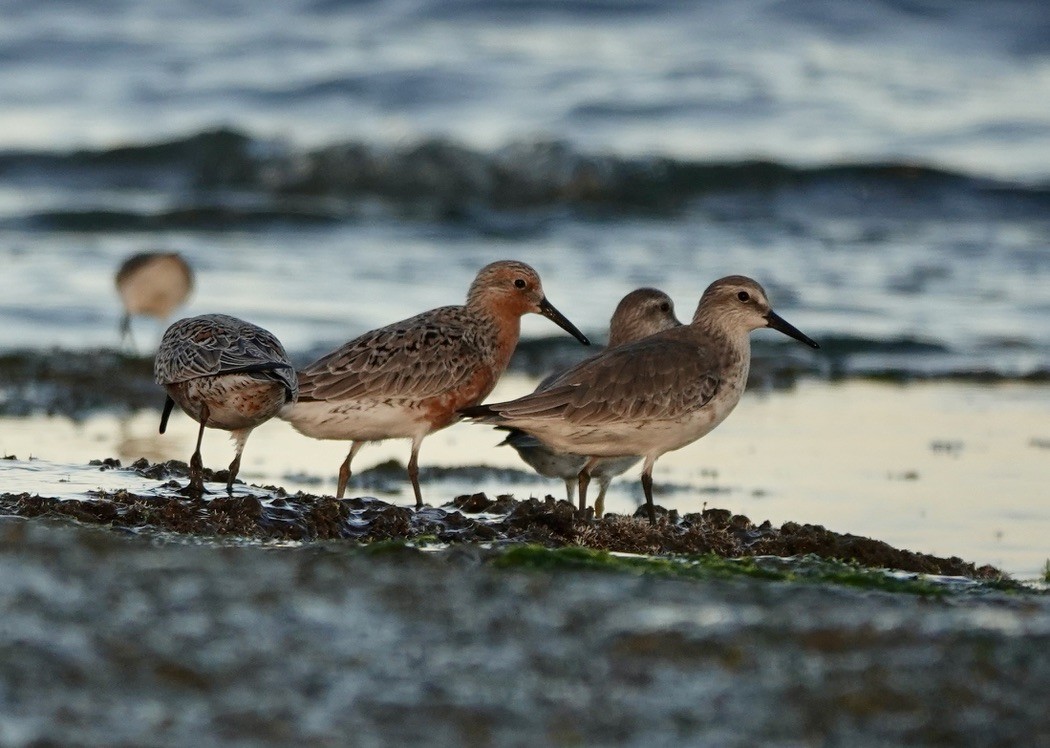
(641, 313)
(655, 395)
(154, 284)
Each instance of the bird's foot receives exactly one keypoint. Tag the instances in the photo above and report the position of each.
(586, 514)
(194, 490)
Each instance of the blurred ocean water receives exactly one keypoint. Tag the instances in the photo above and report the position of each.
(883, 168)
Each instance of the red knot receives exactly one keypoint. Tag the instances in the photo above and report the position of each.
(154, 284)
(410, 379)
(641, 313)
(224, 373)
(655, 395)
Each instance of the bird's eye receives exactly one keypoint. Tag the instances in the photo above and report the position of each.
(744, 296)
(519, 283)
(665, 307)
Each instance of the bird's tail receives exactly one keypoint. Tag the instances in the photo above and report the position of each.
(479, 413)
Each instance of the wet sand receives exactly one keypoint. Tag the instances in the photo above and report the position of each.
(260, 620)
(943, 468)
(157, 505)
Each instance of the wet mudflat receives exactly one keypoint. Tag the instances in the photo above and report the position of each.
(272, 514)
(117, 637)
(133, 615)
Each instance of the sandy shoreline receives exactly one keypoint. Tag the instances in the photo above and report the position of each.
(274, 515)
(946, 469)
(175, 623)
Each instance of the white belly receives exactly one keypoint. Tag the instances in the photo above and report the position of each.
(627, 438)
(234, 401)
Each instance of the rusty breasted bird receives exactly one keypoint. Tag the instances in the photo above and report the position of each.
(154, 284)
(410, 379)
(641, 313)
(224, 373)
(655, 395)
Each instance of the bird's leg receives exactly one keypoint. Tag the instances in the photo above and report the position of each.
(344, 475)
(599, 503)
(413, 471)
(570, 489)
(647, 488)
(344, 469)
(584, 479)
(235, 467)
(240, 437)
(195, 488)
(127, 340)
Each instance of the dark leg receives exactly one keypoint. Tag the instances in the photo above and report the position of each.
(235, 468)
(125, 332)
(344, 469)
(647, 488)
(413, 472)
(240, 437)
(344, 475)
(196, 484)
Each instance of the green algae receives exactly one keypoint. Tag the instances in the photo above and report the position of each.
(714, 544)
(579, 558)
(805, 570)
(394, 547)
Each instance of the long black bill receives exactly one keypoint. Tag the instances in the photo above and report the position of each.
(777, 322)
(168, 405)
(547, 310)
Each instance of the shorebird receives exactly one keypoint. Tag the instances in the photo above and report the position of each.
(639, 314)
(224, 373)
(152, 283)
(410, 379)
(655, 395)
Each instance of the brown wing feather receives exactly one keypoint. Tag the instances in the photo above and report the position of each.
(656, 378)
(218, 344)
(419, 357)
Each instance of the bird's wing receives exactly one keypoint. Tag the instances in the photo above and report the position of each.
(218, 344)
(653, 379)
(419, 357)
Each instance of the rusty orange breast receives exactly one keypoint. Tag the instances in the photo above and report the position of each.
(497, 327)
(441, 410)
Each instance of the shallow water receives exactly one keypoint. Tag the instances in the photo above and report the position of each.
(972, 295)
(957, 83)
(330, 166)
(883, 169)
(952, 470)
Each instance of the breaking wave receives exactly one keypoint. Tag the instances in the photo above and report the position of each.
(211, 171)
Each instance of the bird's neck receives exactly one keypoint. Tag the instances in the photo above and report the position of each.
(508, 331)
(732, 347)
(500, 328)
